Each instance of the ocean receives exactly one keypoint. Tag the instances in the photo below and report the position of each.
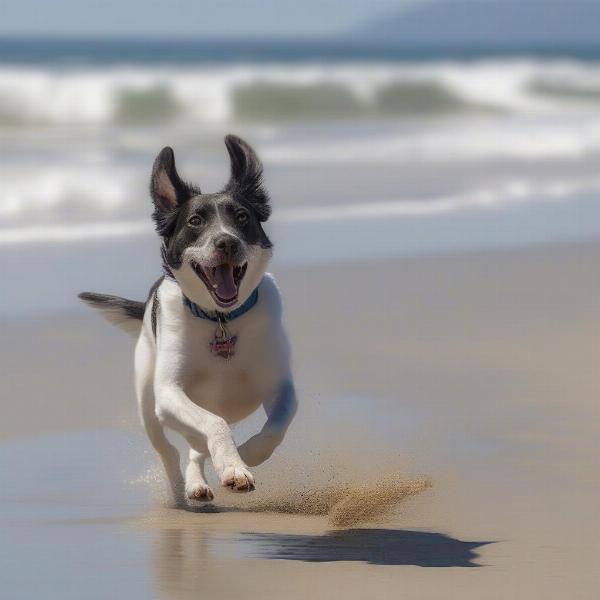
(407, 139)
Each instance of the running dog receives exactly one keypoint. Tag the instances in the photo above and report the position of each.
(211, 346)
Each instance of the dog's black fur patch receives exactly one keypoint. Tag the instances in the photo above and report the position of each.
(167, 201)
(246, 183)
(153, 296)
(208, 207)
(130, 308)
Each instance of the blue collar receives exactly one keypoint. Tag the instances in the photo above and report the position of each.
(219, 317)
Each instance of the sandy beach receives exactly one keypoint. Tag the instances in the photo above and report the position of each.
(475, 372)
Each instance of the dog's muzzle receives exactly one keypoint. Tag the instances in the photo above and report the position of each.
(222, 281)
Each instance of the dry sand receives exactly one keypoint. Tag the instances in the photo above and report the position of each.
(476, 374)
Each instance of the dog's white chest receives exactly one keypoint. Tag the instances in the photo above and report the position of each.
(232, 387)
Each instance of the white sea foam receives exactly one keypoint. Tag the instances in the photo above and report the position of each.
(104, 184)
(510, 193)
(30, 191)
(73, 232)
(486, 140)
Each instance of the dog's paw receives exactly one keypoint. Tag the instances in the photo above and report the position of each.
(200, 492)
(237, 479)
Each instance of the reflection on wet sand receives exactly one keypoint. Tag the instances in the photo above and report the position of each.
(189, 561)
(373, 546)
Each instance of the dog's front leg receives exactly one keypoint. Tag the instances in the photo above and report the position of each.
(196, 487)
(280, 412)
(201, 429)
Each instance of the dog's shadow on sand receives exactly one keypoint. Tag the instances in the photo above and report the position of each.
(373, 546)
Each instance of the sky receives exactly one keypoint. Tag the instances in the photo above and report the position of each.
(189, 18)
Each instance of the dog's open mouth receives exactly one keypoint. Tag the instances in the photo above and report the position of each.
(222, 281)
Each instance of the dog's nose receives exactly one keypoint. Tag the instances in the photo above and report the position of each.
(227, 244)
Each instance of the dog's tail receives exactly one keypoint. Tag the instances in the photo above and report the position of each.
(126, 314)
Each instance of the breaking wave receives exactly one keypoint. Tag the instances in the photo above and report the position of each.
(121, 95)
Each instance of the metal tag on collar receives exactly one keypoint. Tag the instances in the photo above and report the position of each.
(223, 345)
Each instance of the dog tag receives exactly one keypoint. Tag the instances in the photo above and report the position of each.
(223, 345)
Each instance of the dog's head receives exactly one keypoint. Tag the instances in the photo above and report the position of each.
(214, 244)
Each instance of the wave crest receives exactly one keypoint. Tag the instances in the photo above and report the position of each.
(145, 95)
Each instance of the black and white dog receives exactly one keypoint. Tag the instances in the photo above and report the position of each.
(211, 346)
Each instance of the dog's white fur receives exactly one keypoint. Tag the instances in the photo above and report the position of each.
(182, 386)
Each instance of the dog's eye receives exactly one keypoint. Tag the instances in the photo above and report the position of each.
(241, 217)
(195, 221)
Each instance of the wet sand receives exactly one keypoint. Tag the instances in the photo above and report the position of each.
(476, 374)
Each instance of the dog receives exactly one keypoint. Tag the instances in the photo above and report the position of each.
(211, 345)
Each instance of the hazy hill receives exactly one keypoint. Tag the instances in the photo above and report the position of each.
(492, 21)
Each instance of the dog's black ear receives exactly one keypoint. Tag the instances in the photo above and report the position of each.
(167, 189)
(246, 176)
(245, 164)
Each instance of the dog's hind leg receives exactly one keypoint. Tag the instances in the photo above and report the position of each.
(169, 455)
(196, 487)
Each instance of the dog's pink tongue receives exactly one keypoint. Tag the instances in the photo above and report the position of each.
(225, 284)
